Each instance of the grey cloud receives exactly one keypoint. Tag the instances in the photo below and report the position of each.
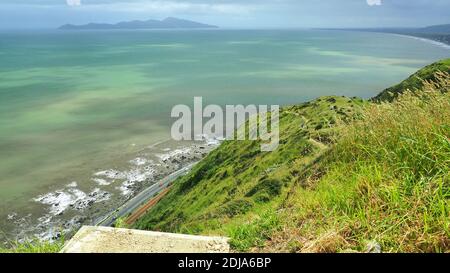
(230, 13)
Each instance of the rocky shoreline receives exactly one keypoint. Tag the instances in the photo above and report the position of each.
(69, 207)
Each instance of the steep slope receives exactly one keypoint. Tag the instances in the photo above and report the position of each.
(414, 81)
(349, 175)
(238, 178)
(385, 185)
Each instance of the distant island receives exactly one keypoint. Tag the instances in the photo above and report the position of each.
(439, 33)
(168, 23)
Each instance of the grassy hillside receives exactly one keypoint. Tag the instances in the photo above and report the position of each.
(414, 82)
(237, 180)
(348, 175)
(386, 183)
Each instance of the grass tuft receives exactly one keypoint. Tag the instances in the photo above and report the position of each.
(34, 246)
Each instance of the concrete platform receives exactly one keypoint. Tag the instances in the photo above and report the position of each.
(115, 240)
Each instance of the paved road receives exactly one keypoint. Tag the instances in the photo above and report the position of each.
(142, 197)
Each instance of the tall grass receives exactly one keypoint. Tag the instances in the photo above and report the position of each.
(253, 233)
(410, 134)
(387, 180)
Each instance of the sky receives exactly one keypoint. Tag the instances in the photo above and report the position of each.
(26, 14)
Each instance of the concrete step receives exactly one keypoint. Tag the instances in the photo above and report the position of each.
(118, 240)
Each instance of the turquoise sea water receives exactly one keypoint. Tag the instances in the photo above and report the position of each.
(72, 103)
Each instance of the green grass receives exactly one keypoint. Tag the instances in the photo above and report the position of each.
(255, 232)
(415, 81)
(387, 179)
(34, 246)
(237, 183)
(347, 172)
(121, 223)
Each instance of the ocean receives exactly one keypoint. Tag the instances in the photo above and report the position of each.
(85, 115)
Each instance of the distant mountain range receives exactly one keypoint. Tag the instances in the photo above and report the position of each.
(168, 23)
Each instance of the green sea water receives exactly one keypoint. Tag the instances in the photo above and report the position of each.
(72, 103)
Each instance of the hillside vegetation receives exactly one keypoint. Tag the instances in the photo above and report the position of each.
(415, 81)
(34, 246)
(237, 178)
(386, 182)
(349, 175)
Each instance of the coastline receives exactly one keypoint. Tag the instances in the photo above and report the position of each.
(134, 203)
(404, 34)
(427, 40)
(70, 207)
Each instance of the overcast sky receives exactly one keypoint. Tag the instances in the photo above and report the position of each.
(229, 13)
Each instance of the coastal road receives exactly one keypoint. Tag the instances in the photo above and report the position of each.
(143, 197)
